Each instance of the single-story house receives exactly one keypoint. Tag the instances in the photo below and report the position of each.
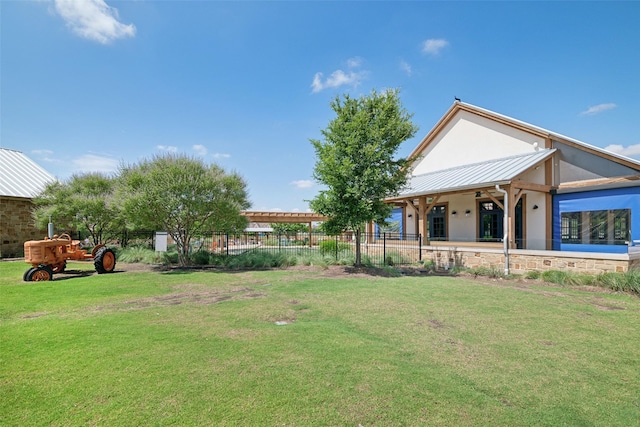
(21, 179)
(486, 188)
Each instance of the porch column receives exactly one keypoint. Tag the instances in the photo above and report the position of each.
(370, 230)
(423, 224)
(512, 215)
(414, 213)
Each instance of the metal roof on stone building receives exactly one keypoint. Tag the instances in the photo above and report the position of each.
(488, 173)
(20, 176)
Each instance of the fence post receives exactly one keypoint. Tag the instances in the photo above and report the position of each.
(384, 248)
(336, 247)
(419, 247)
(227, 243)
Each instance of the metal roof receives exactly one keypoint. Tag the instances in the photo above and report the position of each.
(20, 176)
(476, 175)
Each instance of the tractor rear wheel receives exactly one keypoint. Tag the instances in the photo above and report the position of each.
(104, 260)
(40, 274)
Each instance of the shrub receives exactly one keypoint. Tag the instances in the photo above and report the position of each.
(621, 282)
(329, 247)
(581, 280)
(390, 271)
(259, 260)
(555, 276)
(487, 272)
(534, 275)
(429, 265)
(315, 259)
(201, 257)
(141, 254)
(633, 278)
(395, 257)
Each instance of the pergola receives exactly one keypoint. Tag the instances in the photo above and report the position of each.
(285, 217)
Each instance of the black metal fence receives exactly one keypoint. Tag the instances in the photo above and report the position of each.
(376, 249)
(124, 238)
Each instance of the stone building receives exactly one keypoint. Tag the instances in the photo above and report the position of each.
(487, 189)
(21, 179)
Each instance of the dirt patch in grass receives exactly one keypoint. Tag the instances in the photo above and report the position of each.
(197, 297)
(34, 315)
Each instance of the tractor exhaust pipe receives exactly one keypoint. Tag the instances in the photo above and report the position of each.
(50, 229)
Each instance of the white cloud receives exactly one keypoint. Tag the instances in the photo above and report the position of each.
(201, 150)
(354, 62)
(434, 46)
(221, 155)
(629, 151)
(46, 156)
(340, 78)
(168, 148)
(336, 79)
(302, 183)
(93, 20)
(596, 109)
(94, 163)
(42, 152)
(404, 66)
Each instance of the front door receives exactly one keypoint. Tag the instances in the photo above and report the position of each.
(492, 220)
(519, 225)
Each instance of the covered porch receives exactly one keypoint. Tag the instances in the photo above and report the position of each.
(504, 203)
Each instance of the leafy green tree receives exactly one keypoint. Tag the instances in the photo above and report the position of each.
(184, 197)
(84, 202)
(357, 161)
(289, 229)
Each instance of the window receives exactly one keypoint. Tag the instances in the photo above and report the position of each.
(621, 229)
(571, 230)
(491, 222)
(604, 227)
(438, 223)
(598, 227)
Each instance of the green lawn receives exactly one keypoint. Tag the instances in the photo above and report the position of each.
(206, 348)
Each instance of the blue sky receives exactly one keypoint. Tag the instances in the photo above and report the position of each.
(88, 84)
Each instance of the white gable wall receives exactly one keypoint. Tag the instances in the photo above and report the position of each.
(535, 220)
(469, 138)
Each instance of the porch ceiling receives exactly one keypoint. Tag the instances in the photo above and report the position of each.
(474, 176)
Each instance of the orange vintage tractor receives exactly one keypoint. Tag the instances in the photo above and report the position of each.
(49, 256)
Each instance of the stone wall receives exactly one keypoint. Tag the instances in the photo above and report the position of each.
(521, 261)
(16, 226)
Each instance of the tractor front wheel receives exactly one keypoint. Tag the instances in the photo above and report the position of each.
(25, 277)
(40, 274)
(104, 260)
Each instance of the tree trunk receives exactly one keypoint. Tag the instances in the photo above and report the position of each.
(358, 254)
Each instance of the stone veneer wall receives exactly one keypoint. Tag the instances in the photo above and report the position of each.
(521, 261)
(16, 226)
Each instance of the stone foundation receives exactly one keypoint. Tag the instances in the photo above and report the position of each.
(16, 226)
(522, 261)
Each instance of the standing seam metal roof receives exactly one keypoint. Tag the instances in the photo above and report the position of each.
(20, 176)
(475, 175)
